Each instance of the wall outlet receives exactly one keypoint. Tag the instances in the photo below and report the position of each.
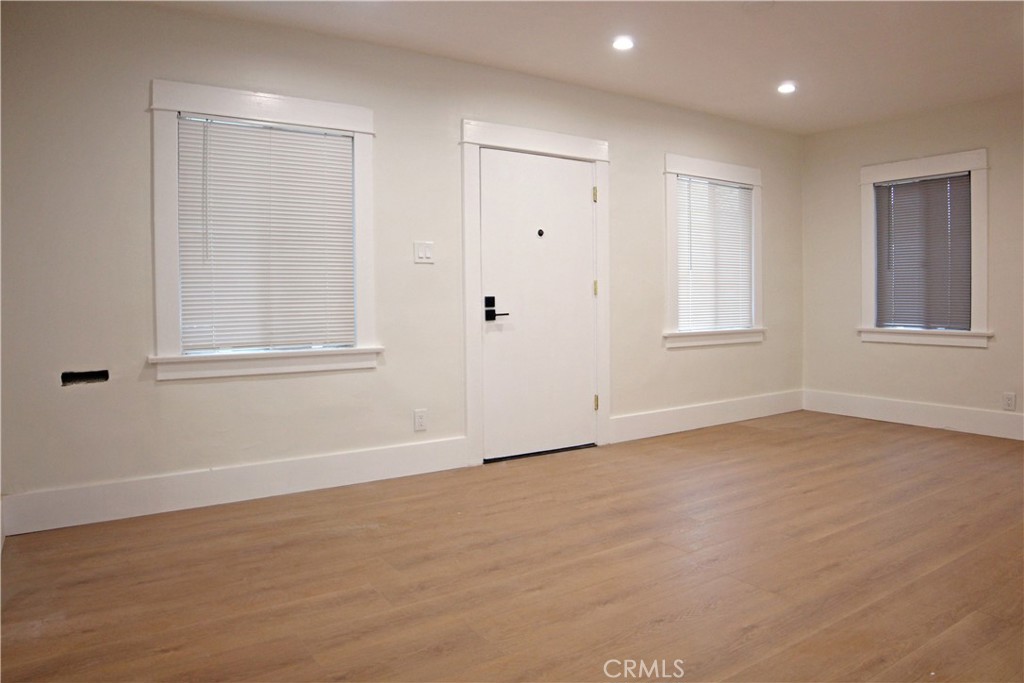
(1009, 401)
(419, 420)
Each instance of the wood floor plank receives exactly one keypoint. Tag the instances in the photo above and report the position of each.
(862, 645)
(572, 641)
(978, 648)
(799, 547)
(138, 644)
(917, 537)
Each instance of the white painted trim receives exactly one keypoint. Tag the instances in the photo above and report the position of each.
(264, 363)
(678, 340)
(501, 136)
(54, 508)
(671, 295)
(1003, 424)
(242, 104)
(757, 265)
(868, 260)
(473, 299)
(165, 232)
(979, 249)
(602, 265)
(475, 136)
(975, 161)
(684, 418)
(942, 164)
(363, 217)
(896, 335)
(712, 170)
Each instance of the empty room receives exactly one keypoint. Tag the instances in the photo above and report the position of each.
(276, 405)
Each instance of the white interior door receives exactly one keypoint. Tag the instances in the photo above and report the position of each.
(538, 263)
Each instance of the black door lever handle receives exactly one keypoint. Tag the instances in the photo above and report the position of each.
(489, 313)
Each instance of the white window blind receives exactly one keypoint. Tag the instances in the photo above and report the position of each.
(924, 253)
(715, 240)
(265, 235)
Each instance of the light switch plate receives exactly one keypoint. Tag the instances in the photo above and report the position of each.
(422, 252)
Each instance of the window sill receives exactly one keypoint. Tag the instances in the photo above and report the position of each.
(265, 363)
(897, 335)
(752, 335)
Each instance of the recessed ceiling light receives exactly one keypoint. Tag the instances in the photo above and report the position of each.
(787, 87)
(623, 43)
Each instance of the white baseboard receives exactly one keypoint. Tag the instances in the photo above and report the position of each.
(684, 418)
(999, 423)
(54, 508)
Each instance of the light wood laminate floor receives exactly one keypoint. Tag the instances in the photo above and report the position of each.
(800, 547)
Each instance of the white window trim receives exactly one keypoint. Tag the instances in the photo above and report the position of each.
(747, 335)
(975, 161)
(168, 98)
(676, 164)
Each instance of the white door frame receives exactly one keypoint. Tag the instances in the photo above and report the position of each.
(478, 134)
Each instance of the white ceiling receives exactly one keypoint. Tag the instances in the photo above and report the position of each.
(855, 62)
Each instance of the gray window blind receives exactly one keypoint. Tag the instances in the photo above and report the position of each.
(715, 240)
(265, 236)
(924, 253)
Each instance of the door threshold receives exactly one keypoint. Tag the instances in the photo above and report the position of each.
(503, 458)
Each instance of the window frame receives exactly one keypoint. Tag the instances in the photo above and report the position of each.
(676, 165)
(974, 162)
(168, 98)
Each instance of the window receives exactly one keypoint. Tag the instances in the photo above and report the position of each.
(923, 253)
(924, 250)
(265, 237)
(262, 233)
(714, 252)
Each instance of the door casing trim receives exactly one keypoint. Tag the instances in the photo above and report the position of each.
(477, 135)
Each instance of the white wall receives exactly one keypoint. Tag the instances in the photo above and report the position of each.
(77, 269)
(645, 376)
(835, 360)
